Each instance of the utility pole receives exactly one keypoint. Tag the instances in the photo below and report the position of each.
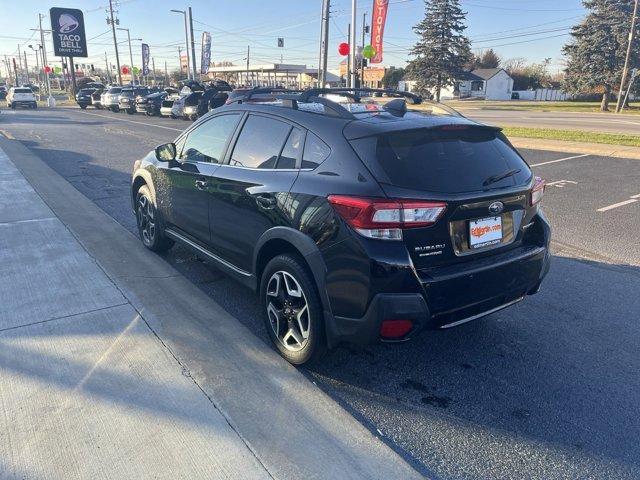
(20, 61)
(115, 40)
(26, 67)
(50, 100)
(166, 75)
(37, 76)
(193, 47)
(324, 44)
(153, 66)
(73, 76)
(625, 70)
(247, 79)
(352, 48)
(362, 60)
(180, 62)
(186, 39)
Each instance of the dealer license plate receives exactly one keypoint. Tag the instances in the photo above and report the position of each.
(485, 232)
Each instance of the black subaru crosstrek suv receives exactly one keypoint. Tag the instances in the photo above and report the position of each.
(353, 221)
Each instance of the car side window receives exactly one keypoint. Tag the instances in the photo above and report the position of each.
(315, 151)
(292, 149)
(259, 143)
(206, 142)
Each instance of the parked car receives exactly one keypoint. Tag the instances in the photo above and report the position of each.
(96, 98)
(21, 97)
(199, 105)
(150, 104)
(167, 104)
(353, 222)
(3, 92)
(177, 108)
(84, 97)
(126, 100)
(110, 98)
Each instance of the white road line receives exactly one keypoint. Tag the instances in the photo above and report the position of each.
(616, 205)
(132, 121)
(635, 196)
(559, 160)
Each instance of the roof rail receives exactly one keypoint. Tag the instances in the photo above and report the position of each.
(331, 108)
(354, 93)
(261, 91)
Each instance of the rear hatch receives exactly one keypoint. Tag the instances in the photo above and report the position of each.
(471, 169)
(23, 95)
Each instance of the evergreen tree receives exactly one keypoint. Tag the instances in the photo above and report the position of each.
(488, 59)
(595, 55)
(443, 50)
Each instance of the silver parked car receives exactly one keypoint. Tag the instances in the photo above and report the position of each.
(110, 99)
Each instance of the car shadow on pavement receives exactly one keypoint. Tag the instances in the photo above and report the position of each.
(559, 372)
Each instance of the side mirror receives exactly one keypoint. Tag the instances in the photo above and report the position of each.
(166, 152)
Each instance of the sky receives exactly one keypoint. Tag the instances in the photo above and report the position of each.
(533, 29)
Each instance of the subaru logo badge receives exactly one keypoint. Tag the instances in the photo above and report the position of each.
(496, 207)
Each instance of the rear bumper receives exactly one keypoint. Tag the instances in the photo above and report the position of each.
(451, 296)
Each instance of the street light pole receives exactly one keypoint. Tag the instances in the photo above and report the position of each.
(352, 48)
(186, 39)
(133, 77)
(37, 52)
(50, 100)
(625, 70)
(193, 47)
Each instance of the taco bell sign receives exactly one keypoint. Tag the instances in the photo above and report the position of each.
(67, 27)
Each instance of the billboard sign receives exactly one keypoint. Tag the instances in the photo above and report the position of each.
(377, 28)
(205, 58)
(145, 59)
(67, 27)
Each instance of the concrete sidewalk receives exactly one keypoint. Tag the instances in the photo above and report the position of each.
(113, 365)
(86, 389)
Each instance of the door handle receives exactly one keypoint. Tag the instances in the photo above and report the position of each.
(266, 201)
(201, 184)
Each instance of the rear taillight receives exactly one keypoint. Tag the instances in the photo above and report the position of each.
(385, 219)
(537, 191)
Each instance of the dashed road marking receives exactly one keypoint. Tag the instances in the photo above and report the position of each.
(559, 160)
(132, 121)
(616, 205)
(635, 196)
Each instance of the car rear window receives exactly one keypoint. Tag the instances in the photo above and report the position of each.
(22, 90)
(443, 161)
(115, 90)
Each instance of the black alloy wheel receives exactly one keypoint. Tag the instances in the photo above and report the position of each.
(149, 221)
(293, 314)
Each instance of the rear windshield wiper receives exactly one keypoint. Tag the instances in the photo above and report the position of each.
(502, 176)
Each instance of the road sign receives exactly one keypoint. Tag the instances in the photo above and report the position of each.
(69, 38)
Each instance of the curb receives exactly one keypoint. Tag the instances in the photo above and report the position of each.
(600, 149)
(294, 429)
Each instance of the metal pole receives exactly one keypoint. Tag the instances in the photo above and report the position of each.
(115, 41)
(26, 67)
(166, 75)
(153, 66)
(322, 78)
(20, 62)
(248, 64)
(625, 70)
(73, 76)
(193, 47)
(353, 43)
(364, 28)
(133, 76)
(633, 77)
(348, 79)
(186, 40)
(106, 63)
(50, 100)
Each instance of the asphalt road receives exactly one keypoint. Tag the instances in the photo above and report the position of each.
(595, 122)
(547, 389)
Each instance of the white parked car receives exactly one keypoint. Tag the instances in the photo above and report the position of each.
(21, 97)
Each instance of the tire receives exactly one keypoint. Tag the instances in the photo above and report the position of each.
(149, 222)
(130, 112)
(35, 105)
(173, 116)
(83, 107)
(13, 106)
(289, 317)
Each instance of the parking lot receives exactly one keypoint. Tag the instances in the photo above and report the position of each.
(546, 389)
